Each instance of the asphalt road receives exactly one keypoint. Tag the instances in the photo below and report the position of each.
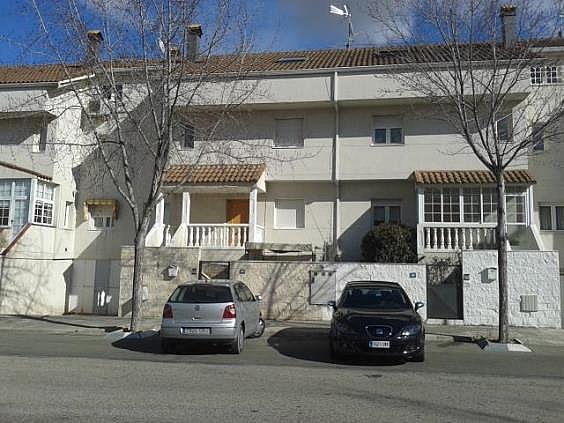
(282, 377)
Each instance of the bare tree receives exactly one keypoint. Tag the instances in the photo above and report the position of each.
(473, 61)
(138, 77)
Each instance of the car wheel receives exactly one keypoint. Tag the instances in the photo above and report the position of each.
(239, 343)
(334, 351)
(420, 357)
(167, 346)
(260, 328)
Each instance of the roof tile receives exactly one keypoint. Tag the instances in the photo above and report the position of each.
(470, 177)
(214, 174)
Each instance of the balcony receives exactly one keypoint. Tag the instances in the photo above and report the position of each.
(448, 237)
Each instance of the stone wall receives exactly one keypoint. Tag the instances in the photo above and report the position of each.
(530, 273)
(285, 286)
(157, 285)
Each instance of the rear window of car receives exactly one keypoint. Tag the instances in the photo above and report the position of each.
(201, 294)
(380, 298)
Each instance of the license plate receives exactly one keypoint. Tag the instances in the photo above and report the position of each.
(379, 344)
(195, 331)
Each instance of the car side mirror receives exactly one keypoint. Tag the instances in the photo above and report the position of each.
(258, 297)
(332, 304)
(418, 305)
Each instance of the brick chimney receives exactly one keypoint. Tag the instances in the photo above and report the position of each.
(508, 14)
(193, 35)
(93, 46)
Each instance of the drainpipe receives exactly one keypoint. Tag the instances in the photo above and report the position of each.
(335, 170)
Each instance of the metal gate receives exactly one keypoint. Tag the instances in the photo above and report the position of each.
(214, 270)
(444, 291)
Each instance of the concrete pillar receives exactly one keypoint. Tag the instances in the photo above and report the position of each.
(253, 196)
(185, 220)
(159, 212)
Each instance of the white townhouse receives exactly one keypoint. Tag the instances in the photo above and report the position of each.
(340, 148)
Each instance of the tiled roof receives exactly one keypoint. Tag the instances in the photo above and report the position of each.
(470, 177)
(37, 73)
(288, 61)
(214, 174)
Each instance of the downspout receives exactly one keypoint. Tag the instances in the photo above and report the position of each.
(335, 170)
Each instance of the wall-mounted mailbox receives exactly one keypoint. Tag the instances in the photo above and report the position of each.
(412, 275)
(172, 271)
(489, 275)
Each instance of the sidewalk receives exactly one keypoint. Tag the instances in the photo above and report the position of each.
(98, 325)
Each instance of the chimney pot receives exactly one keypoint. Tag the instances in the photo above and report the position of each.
(94, 44)
(508, 14)
(193, 35)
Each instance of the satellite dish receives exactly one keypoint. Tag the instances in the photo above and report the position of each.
(341, 12)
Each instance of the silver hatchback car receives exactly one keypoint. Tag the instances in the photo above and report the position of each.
(214, 311)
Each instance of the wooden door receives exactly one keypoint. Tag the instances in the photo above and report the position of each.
(237, 212)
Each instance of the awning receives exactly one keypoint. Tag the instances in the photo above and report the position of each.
(214, 174)
(104, 203)
(457, 177)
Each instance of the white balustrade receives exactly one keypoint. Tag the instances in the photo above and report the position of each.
(457, 236)
(221, 235)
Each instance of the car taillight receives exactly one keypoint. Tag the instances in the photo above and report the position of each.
(167, 311)
(230, 312)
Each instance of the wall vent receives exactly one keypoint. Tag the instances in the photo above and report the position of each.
(529, 303)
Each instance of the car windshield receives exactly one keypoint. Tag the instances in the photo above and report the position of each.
(384, 298)
(201, 293)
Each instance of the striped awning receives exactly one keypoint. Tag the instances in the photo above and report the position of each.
(113, 204)
(470, 177)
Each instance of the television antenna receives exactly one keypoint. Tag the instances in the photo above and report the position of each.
(346, 14)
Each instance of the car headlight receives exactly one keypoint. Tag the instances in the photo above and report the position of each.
(344, 328)
(410, 330)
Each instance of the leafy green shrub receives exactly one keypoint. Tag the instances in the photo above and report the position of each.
(388, 243)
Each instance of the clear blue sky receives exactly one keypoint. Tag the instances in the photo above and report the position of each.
(278, 25)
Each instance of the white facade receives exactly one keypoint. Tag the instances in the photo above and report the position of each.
(353, 141)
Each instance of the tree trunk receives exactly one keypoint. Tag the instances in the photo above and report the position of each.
(502, 241)
(137, 298)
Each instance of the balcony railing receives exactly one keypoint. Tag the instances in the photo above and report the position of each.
(222, 235)
(456, 236)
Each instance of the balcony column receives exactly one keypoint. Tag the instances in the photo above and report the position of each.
(420, 220)
(159, 211)
(181, 236)
(253, 196)
(185, 219)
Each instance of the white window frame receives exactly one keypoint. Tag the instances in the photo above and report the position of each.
(187, 128)
(296, 146)
(509, 138)
(276, 207)
(524, 194)
(552, 207)
(10, 199)
(540, 75)
(45, 201)
(387, 123)
(106, 214)
(387, 204)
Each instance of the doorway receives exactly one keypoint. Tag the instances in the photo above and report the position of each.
(237, 212)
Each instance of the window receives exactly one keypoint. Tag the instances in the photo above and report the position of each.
(101, 217)
(387, 130)
(503, 129)
(188, 141)
(480, 205)
(289, 214)
(538, 138)
(551, 217)
(289, 133)
(5, 200)
(545, 75)
(386, 212)
(515, 205)
(108, 91)
(545, 217)
(472, 209)
(44, 204)
(69, 215)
